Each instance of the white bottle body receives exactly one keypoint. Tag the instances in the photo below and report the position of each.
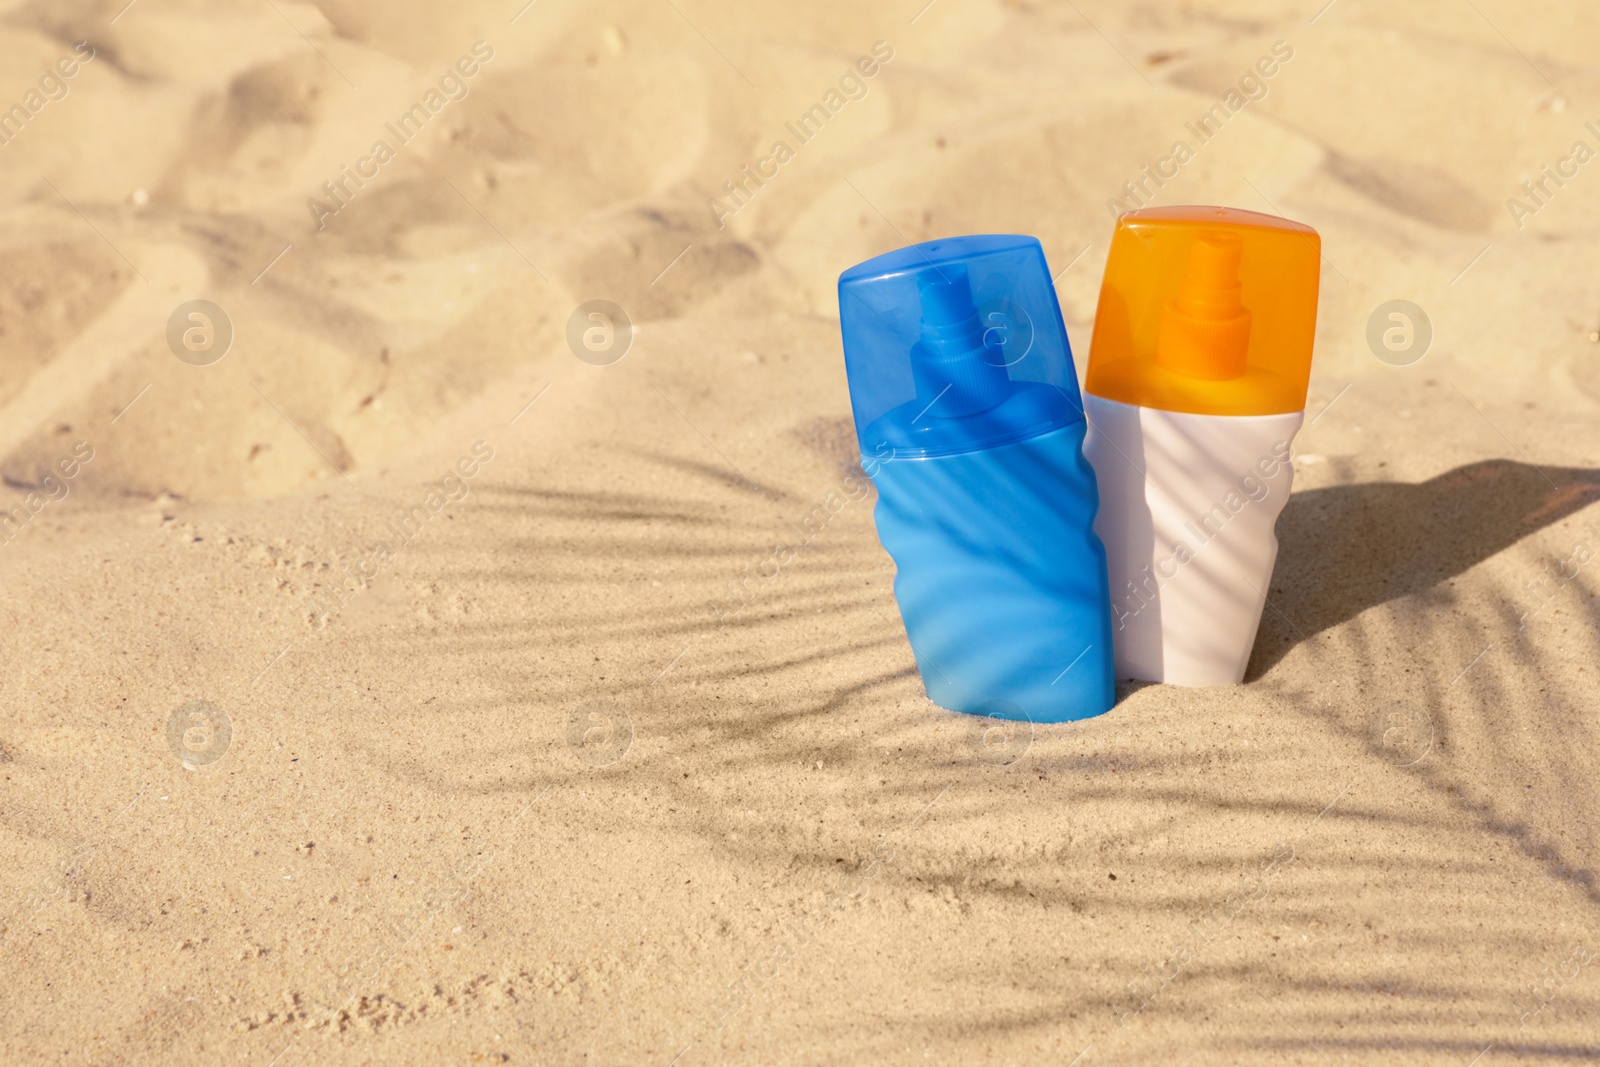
(1188, 504)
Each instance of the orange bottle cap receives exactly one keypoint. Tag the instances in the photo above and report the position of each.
(1208, 310)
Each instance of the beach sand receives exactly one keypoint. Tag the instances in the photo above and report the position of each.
(539, 788)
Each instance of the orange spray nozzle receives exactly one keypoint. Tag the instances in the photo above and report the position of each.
(1205, 330)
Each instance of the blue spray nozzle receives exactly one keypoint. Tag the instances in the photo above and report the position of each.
(955, 372)
(946, 296)
(955, 345)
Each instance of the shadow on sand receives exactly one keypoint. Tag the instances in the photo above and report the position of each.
(1347, 548)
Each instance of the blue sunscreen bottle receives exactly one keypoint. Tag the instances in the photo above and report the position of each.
(971, 426)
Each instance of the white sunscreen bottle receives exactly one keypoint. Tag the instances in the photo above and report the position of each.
(1196, 387)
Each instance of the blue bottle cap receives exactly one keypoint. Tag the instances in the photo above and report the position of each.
(955, 345)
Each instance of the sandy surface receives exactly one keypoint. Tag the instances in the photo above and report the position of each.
(537, 790)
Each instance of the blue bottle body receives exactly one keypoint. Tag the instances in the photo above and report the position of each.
(1000, 578)
(971, 424)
